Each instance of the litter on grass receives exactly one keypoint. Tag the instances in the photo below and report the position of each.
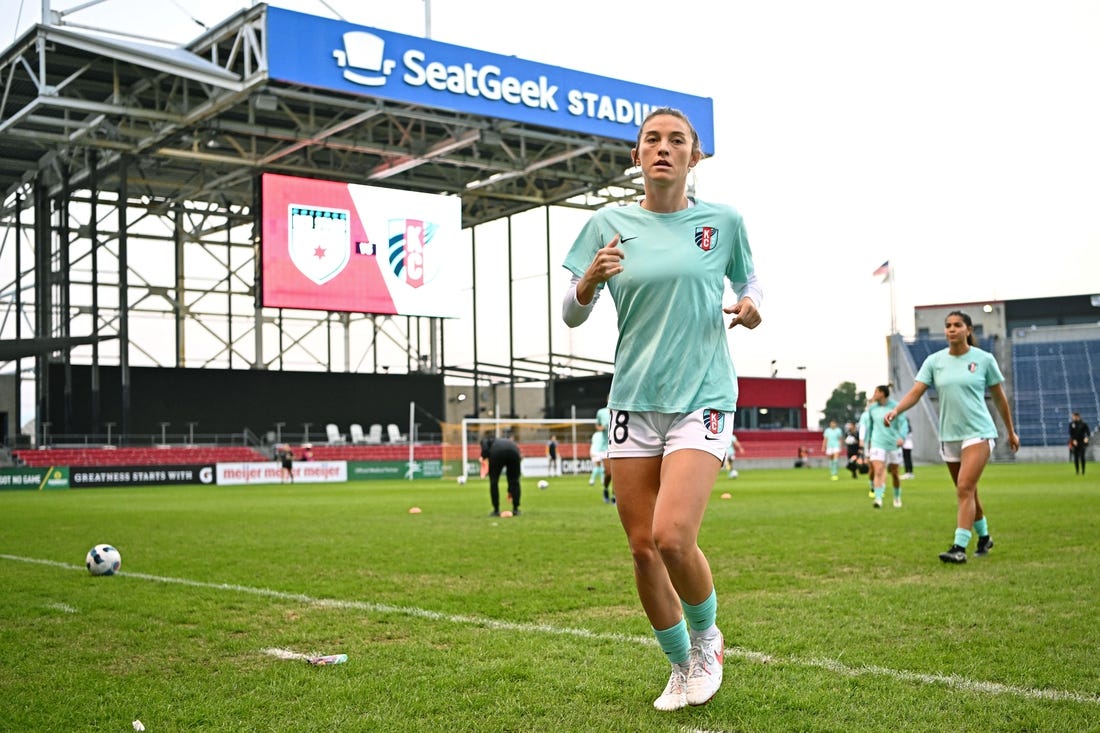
(328, 659)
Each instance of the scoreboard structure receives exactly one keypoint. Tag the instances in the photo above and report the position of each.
(287, 192)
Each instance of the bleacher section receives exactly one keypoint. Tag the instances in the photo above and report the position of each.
(1052, 379)
(136, 456)
(922, 348)
(759, 445)
(778, 444)
(385, 452)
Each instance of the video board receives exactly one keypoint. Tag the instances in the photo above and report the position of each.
(338, 246)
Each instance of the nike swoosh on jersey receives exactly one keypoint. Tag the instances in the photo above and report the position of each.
(624, 240)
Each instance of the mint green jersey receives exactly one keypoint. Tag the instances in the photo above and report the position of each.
(603, 417)
(880, 436)
(671, 355)
(599, 441)
(961, 382)
(832, 437)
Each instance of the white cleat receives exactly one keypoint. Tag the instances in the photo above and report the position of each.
(705, 675)
(675, 695)
(897, 503)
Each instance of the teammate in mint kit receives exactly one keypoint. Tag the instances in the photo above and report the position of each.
(665, 263)
(961, 374)
(885, 444)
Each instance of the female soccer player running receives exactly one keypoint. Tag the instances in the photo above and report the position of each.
(665, 262)
(961, 373)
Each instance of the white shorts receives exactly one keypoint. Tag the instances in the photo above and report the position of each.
(832, 452)
(951, 451)
(889, 457)
(597, 455)
(647, 434)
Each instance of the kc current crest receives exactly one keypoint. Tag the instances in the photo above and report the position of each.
(714, 421)
(706, 238)
(408, 254)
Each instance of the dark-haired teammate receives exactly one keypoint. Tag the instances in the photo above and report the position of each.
(885, 445)
(830, 446)
(961, 374)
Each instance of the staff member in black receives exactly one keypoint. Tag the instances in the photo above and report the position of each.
(503, 455)
(1078, 442)
(851, 445)
(285, 456)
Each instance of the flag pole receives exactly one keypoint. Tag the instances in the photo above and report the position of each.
(893, 300)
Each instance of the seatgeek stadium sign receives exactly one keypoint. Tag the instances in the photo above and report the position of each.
(340, 56)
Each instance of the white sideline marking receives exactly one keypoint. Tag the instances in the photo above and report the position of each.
(63, 607)
(832, 665)
(284, 653)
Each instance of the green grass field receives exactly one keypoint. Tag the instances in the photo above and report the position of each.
(837, 617)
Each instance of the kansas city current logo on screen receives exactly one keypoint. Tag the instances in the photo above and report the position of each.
(319, 240)
(407, 254)
(706, 238)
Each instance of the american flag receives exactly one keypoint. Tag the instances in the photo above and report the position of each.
(883, 269)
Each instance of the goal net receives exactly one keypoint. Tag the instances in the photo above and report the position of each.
(462, 444)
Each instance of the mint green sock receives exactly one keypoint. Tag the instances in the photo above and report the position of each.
(879, 491)
(962, 537)
(897, 492)
(675, 642)
(833, 466)
(701, 616)
(981, 528)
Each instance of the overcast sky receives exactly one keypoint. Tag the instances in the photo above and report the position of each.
(957, 139)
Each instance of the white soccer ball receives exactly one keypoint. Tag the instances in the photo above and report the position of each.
(544, 484)
(461, 479)
(103, 560)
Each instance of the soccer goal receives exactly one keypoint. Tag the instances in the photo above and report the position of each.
(462, 443)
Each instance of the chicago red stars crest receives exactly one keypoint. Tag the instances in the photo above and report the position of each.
(706, 238)
(319, 241)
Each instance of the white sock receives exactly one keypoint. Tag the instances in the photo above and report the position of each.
(707, 635)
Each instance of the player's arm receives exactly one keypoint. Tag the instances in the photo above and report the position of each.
(746, 311)
(911, 398)
(584, 290)
(999, 399)
(606, 264)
